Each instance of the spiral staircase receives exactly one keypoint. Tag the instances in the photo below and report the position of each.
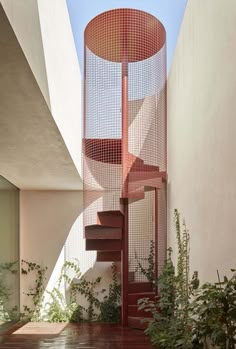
(124, 145)
(106, 237)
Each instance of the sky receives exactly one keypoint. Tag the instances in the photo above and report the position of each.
(169, 12)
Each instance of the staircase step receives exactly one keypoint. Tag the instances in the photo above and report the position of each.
(110, 218)
(143, 175)
(134, 297)
(137, 193)
(134, 162)
(97, 231)
(139, 323)
(141, 179)
(140, 287)
(133, 311)
(108, 256)
(103, 245)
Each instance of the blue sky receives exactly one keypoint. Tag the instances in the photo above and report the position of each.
(169, 12)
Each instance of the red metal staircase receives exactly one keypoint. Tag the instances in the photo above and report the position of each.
(106, 236)
(124, 145)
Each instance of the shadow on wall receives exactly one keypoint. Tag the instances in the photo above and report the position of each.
(46, 219)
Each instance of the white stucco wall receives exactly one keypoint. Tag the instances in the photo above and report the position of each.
(46, 220)
(51, 232)
(201, 134)
(44, 32)
(63, 73)
(24, 18)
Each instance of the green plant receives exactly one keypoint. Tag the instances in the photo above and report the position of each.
(165, 330)
(172, 317)
(215, 313)
(87, 289)
(35, 292)
(149, 271)
(110, 308)
(7, 314)
(59, 309)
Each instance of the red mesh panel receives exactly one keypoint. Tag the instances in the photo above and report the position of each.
(141, 232)
(162, 228)
(124, 142)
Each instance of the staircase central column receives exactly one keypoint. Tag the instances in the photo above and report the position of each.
(125, 170)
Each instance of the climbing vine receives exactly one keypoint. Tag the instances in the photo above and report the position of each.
(36, 291)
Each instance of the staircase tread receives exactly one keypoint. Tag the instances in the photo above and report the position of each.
(110, 213)
(100, 226)
(141, 282)
(133, 305)
(143, 293)
(140, 318)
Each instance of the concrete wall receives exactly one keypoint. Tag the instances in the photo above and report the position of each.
(201, 134)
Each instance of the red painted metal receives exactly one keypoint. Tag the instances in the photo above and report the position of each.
(134, 297)
(98, 231)
(108, 256)
(125, 127)
(124, 140)
(156, 235)
(144, 34)
(103, 245)
(140, 287)
(125, 266)
(138, 323)
(133, 311)
(110, 218)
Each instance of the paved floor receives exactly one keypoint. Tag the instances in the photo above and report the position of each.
(81, 336)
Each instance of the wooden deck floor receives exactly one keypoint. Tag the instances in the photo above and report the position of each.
(81, 336)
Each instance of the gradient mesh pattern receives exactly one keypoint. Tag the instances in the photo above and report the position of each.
(124, 142)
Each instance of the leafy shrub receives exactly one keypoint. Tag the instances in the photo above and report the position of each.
(149, 272)
(172, 321)
(215, 313)
(110, 308)
(60, 311)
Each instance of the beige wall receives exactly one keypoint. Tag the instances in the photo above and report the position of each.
(24, 18)
(46, 219)
(44, 33)
(201, 134)
(63, 74)
(9, 239)
(33, 154)
(51, 231)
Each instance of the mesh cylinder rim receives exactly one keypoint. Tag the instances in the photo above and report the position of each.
(108, 35)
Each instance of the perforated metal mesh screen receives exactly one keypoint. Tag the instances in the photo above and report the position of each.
(141, 233)
(125, 84)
